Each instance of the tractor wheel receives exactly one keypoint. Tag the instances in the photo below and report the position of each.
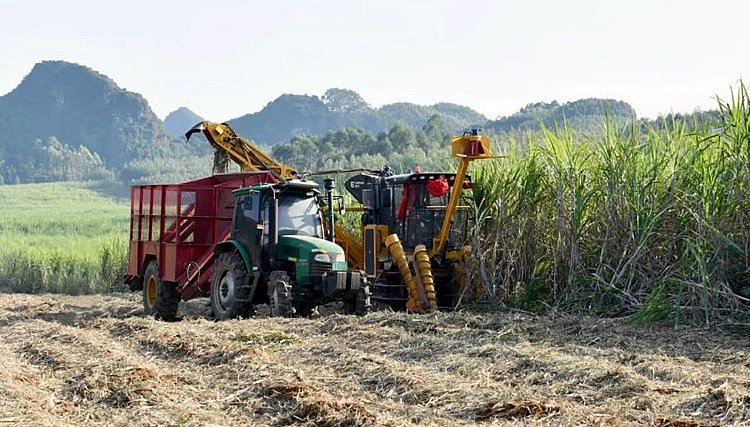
(360, 303)
(160, 299)
(304, 309)
(280, 294)
(230, 296)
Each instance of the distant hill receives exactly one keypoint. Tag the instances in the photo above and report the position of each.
(61, 109)
(582, 114)
(691, 120)
(180, 121)
(289, 115)
(65, 121)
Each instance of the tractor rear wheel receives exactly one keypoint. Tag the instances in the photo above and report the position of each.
(280, 294)
(230, 291)
(160, 299)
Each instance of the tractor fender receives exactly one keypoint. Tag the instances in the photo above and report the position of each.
(231, 245)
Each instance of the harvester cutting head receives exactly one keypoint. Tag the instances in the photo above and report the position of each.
(472, 145)
(199, 128)
(230, 145)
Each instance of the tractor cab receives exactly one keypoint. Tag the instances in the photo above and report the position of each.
(266, 213)
(282, 224)
(280, 229)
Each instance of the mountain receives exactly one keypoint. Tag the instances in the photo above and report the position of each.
(289, 115)
(583, 114)
(61, 108)
(65, 121)
(454, 116)
(180, 121)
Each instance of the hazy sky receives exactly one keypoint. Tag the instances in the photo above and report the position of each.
(223, 59)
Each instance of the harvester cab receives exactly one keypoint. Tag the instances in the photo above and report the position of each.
(410, 205)
(414, 230)
(401, 215)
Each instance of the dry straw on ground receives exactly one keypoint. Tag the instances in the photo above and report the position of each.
(97, 361)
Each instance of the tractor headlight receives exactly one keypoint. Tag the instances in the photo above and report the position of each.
(329, 258)
(320, 257)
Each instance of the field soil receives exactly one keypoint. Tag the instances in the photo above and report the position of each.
(96, 360)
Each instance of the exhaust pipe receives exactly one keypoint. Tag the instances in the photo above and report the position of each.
(329, 184)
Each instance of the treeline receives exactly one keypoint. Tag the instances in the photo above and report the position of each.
(404, 147)
(401, 148)
(53, 161)
(584, 115)
(289, 115)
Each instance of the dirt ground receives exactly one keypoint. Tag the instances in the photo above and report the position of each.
(97, 360)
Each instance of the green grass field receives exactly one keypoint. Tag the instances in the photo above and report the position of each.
(61, 237)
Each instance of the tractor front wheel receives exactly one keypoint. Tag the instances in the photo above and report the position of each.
(160, 299)
(280, 294)
(230, 292)
(359, 303)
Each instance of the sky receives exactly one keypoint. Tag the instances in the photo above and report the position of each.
(224, 59)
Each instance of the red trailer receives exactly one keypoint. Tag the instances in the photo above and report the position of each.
(174, 229)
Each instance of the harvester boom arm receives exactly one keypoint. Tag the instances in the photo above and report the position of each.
(439, 241)
(471, 146)
(242, 151)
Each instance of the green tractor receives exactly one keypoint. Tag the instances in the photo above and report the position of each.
(277, 254)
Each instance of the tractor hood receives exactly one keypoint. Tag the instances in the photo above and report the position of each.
(301, 251)
(307, 244)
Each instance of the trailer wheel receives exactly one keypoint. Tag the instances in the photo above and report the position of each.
(280, 294)
(229, 287)
(360, 303)
(160, 299)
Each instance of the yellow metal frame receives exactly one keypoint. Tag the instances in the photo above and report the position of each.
(244, 152)
(467, 148)
(380, 233)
